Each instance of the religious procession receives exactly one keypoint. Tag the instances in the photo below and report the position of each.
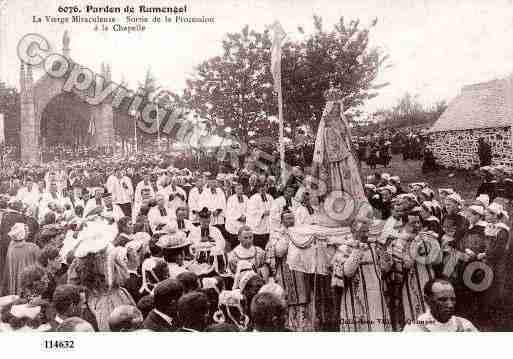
(161, 248)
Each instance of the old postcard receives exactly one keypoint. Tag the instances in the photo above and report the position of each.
(255, 166)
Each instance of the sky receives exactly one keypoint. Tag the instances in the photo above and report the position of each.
(435, 47)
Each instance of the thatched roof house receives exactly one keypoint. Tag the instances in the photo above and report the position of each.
(480, 110)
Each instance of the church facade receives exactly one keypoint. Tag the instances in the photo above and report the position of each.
(36, 96)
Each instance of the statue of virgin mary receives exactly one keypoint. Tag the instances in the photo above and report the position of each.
(336, 164)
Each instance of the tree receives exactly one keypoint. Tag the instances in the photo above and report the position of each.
(408, 105)
(238, 86)
(408, 112)
(439, 108)
(235, 87)
(340, 57)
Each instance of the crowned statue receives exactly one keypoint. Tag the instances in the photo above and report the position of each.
(342, 197)
(332, 153)
(313, 250)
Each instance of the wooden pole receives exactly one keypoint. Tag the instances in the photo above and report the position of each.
(281, 139)
(135, 132)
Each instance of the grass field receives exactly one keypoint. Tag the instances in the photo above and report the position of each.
(463, 182)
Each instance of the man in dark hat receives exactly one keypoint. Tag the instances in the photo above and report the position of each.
(193, 312)
(67, 302)
(484, 152)
(164, 317)
(268, 313)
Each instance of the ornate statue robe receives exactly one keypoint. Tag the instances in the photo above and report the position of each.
(333, 152)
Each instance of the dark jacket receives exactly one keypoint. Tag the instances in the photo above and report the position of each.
(133, 284)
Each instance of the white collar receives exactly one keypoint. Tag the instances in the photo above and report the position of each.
(58, 319)
(434, 325)
(479, 223)
(242, 252)
(189, 330)
(166, 317)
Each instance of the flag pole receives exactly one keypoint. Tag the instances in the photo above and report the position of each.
(135, 132)
(281, 139)
(278, 37)
(158, 128)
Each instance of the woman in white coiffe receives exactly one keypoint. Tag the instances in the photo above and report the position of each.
(103, 270)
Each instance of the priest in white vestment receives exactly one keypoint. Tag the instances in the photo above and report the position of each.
(214, 199)
(181, 222)
(96, 201)
(259, 210)
(205, 233)
(159, 215)
(111, 211)
(126, 194)
(143, 191)
(285, 202)
(236, 213)
(194, 198)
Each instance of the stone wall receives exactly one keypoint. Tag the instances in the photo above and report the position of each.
(458, 149)
(28, 133)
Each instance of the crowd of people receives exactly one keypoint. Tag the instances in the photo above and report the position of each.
(378, 148)
(66, 152)
(472, 240)
(139, 244)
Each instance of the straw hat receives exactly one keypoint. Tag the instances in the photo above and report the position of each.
(173, 241)
(93, 240)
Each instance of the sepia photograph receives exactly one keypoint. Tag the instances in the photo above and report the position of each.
(255, 166)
